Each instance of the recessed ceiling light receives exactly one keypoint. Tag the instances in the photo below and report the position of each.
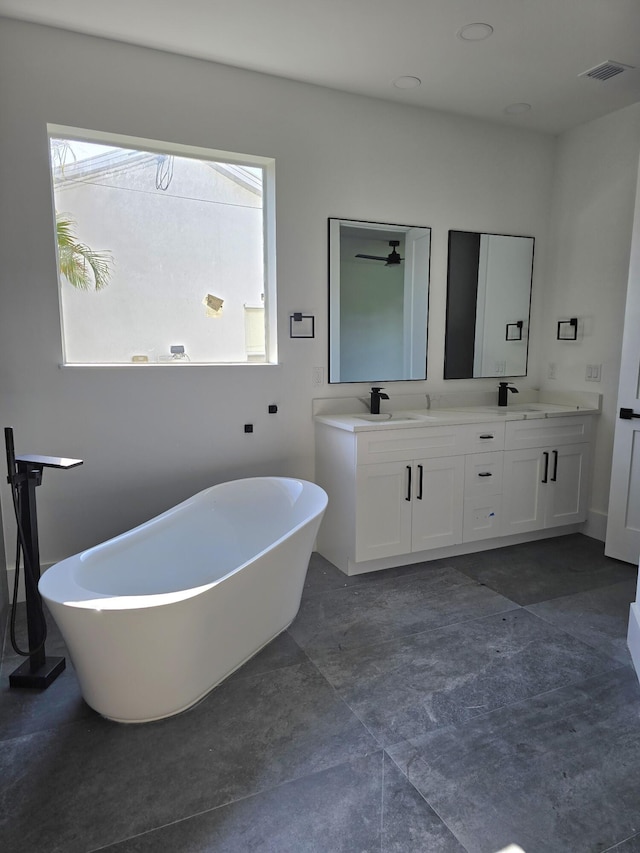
(516, 109)
(475, 32)
(407, 82)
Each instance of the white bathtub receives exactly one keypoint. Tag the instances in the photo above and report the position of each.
(157, 617)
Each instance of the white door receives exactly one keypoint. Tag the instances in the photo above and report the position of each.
(623, 526)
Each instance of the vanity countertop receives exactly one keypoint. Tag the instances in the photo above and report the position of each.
(407, 419)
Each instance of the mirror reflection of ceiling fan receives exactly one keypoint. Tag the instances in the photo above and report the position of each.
(392, 259)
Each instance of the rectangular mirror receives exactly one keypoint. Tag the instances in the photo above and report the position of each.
(488, 305)
(378, 301)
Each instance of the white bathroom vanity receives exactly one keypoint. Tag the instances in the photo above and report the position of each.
(412, 485)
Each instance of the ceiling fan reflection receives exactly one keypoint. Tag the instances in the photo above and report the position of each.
(392, 259)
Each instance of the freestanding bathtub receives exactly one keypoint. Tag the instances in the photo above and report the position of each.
(157, 617)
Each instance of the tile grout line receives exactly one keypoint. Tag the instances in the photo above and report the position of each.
(615, 665)
(616, 846)
(402, 637)
(571, 634)
(391, 746)
(502, 708)
(420, 567)
(582, 592)
(344, 702)
(382, 802)
(399, 637)
(431, 806)
(249, 796)
(380, 580)
(187, 817)
(547, 692)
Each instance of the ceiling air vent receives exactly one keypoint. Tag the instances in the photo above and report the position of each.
(606, 70)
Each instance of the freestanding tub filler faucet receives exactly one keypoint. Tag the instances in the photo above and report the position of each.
(24, 476)
(376, 396)
(503, 389)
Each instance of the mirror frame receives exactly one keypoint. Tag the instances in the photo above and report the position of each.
(334, 257)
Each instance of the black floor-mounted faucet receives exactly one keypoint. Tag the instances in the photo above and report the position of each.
(376, 396)
(503, 389)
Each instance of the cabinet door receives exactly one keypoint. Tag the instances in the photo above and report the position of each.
(437, 502)
(567, 489)
(383, 513)
(523, 490)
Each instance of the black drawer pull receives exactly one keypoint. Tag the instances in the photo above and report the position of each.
(554, 476)
(419, 495)
(485, 474)
(545, 477)
(408, 497)
(486, 436)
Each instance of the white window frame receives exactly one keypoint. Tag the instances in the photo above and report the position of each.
(267, 164)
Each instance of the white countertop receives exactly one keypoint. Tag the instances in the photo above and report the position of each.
(407, 419)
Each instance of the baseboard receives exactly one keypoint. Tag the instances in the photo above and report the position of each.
(596, 525)
(349, 567)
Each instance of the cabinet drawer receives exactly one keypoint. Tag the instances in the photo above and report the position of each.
(483, 474)
(398, 445)
(547, 432)
(484, 437)
(481, 518)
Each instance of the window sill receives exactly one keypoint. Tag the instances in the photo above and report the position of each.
(167, 364)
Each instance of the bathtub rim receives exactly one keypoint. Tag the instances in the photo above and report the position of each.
(61, 587)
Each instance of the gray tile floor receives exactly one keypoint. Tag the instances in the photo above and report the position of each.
(464, 705)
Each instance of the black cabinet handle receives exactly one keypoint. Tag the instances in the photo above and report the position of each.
(545, 476)
(627, 414)
(408, 497)
(554, 476)
(419, 495)
(484, 437)
(485, 474)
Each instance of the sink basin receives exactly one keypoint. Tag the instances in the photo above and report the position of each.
(504, 410)
(385, 417)
(521, 408)
(541, 407)
(530, 407)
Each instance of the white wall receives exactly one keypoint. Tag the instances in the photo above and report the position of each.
(591, 222)
(150, 437)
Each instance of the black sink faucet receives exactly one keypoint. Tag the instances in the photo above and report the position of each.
(376, 396)
(503, 388)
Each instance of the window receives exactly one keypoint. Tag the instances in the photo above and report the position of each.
(165, 253)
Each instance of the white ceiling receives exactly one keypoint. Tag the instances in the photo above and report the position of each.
(537, 50)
